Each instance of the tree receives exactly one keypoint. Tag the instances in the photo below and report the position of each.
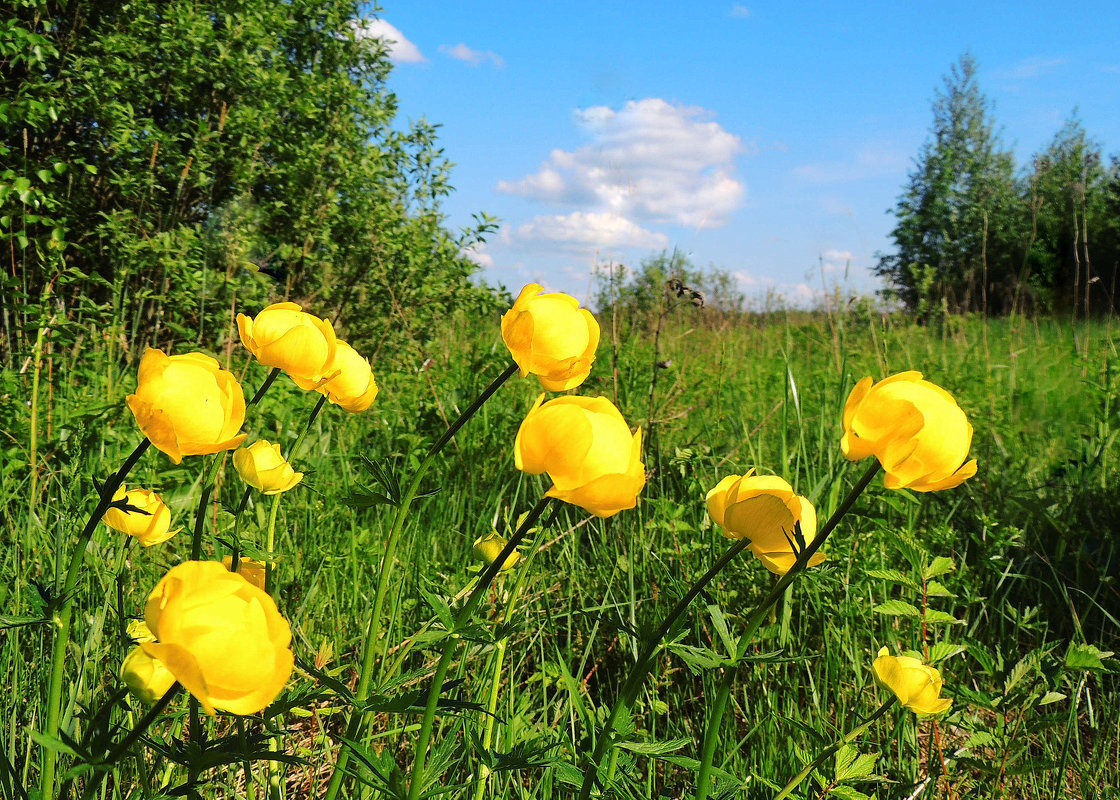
(958, 221)
(1074, 246)
(154, 156)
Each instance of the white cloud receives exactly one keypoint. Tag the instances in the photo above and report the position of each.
(740, 11)
(833, 260)
(648, 161)
(477, 254)
(461, 52)
(1028, 68)
(582, 229)
(401, 50)
(871, 161)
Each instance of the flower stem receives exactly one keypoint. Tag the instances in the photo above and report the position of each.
(65, 615)
(829, 751)
(644, 663)
(416, 779)
(715, 719)
(372, 642)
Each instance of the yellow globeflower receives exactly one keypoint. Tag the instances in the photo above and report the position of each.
(187, 405)
(220, 636)
(915, 428)
(147, 678)
(764, 509)
(261, 466)
(586, 447)
(149, 525)
(489, 546)
(352, 387)
(916, 685)
(248, 568)
(284, 336)
(550, 336)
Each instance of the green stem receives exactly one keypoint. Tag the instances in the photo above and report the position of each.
(264, 386)
(416, 779)
(373, 637)
(270, 545)
(715, 718)
(829, 751)
(66, 614)
(644, 663)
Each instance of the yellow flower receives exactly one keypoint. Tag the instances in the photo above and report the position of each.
(551, 337)
(147, 678)
(220, 636)
(187, 405)
(764, 509)
(587, 449)
(284, 336)
(489, 546)
(915, 428)
(248, 568)
(916, 685)
(261, 466)
(352, 387)
(150, 527)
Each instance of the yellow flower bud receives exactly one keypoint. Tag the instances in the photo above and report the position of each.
(352, 387)
(261, 466)
(220, 636)
(149, 525)
(248, 568)
(586, 447)
(187, 405)
(147, 678)
(284, 336)
(916, 685)
(489, 546)
(550, 336)
(764, 509)
(915, 428)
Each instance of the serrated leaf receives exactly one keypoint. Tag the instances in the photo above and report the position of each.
(844, 792)
(939, 566)
(935, 617)
(897, 608)
(719, 622)
(944, 650)
(655, 748)
(1085, 656)
(894, 576)
(698, 659)
(935, 589)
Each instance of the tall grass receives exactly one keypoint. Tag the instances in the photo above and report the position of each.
(1030, 538)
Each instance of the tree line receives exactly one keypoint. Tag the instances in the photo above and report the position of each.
(976, 233)
(160, 162)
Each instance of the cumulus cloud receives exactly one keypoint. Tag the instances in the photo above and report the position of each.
(834, 260)
(401, 50)
(477, 253)
(649, 161)
(581, 229)
(740, 11)
(460, 52)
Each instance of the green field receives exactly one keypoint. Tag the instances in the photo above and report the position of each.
(1025, 618)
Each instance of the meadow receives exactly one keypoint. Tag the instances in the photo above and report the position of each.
(1007, 583)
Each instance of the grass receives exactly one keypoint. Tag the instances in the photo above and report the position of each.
(1030, 540)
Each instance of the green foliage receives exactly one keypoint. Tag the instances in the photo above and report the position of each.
(171, 160)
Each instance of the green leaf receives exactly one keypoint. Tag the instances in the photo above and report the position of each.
(894, 576)
(939, 566)
(1051, 697)
(698, 659)
(719, 622)
(935, 617)
(935, 589)
(943, 650)
(1086, 656)
(655, 748)
(897, 608)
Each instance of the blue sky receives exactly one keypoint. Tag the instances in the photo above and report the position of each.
(765, 139)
